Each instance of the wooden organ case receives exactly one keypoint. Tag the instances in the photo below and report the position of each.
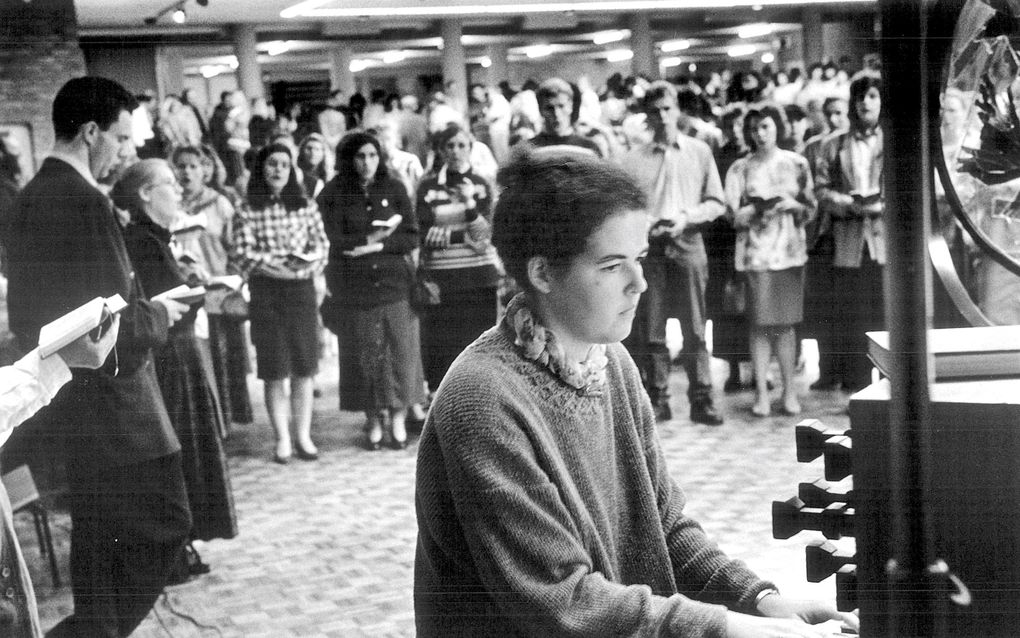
(927, 479)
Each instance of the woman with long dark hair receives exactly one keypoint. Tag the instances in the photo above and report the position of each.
(373, 232)
(279, 245)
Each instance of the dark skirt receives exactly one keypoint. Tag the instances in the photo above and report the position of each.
(191, 403)
(284, 327)
(451, 326)
(231, 365)
(380, 357)
(775, 297)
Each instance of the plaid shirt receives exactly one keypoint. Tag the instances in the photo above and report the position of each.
(270, 235)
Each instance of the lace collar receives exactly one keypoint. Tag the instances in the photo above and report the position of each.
(539, 344)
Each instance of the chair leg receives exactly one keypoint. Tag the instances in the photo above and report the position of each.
(48, 541)
(38, 528)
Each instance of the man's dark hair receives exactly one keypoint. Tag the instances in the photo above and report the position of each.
(552, 200)
(89, 99)
(656, 91)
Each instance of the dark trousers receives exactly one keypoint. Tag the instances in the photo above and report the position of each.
(676, 288)
(128, 526)
(453, 325)
(861, 309)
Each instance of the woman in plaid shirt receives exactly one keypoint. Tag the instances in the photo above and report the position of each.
(279, 246)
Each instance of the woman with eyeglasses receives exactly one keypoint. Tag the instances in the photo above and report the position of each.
(454, 218)
(149, 192)
(279, 245)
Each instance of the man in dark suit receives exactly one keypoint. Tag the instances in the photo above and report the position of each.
(129, 510)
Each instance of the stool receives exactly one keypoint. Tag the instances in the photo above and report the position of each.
(24, 495)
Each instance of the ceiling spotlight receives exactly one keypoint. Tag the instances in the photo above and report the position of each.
(179, 16)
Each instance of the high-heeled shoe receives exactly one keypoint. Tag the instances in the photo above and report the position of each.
(398, 444)
(304, 454)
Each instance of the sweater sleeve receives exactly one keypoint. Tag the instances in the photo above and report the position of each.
(701, 569)
(529, 555)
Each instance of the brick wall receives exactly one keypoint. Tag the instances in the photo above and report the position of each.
(38, 53)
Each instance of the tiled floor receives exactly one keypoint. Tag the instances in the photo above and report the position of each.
(326, 548)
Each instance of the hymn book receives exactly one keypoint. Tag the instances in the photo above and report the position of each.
(97, 313)
(960, 353)
(184, 294)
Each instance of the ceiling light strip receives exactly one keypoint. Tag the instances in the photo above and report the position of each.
(311, 8)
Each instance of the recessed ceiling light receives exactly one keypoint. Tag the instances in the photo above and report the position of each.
(619, 55)
(674, 45)
(741, 50)
(315, 8)
(179, 16)
(605, 37)
(749, 31)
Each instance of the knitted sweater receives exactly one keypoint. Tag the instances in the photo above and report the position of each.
(548, 511)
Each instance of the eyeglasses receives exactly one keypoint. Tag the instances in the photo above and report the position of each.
(163, 182)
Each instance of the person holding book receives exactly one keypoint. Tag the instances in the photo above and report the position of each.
(210, 247)
(25, 387)
(848, 186)
(129, 508)
(373, 232)
(770, 198)
(454, 216)
(279, 245)
(149, 191)
(543, 499)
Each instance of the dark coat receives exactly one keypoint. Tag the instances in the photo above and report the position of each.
(66, 249)
(379, 278)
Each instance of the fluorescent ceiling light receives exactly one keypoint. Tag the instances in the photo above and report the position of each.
(210, 70)
(276, 47)
(755, 31)
(674, 45)
(315, 9)
(741, 51)
(358, 65)
(233, 63)
(392, 57)
(671, 62)
(538, 51)
(619, 55)
(605, 37)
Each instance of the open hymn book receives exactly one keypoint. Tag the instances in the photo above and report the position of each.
(97, 313)
(184, 294)
(960, 353)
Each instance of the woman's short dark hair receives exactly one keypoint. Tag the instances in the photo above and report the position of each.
(859, 85)
(347, 148)
(260, 195)
(551, 201)
(89, 99)
(760, 112)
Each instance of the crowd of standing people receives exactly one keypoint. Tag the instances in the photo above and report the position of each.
(374, 219)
